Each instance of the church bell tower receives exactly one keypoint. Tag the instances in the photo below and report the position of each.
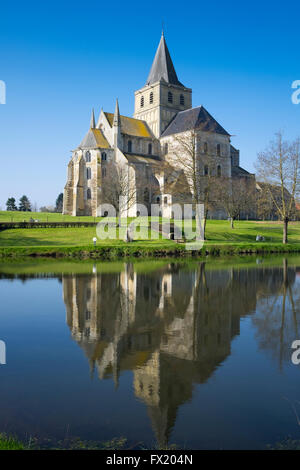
(163, 96)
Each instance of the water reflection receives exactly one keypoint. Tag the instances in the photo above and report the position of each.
(173, 327)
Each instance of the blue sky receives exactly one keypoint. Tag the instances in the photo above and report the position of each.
(60, 59)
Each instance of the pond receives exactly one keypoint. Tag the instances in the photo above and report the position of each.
(196, 354)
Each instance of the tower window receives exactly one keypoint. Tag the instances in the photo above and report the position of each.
(103, 172)
(205, 147)
(205, 170)
(88, 193)
(170, 97)
(218, 150)
(142, 102)
(129, 146)
(88, 156)
(149, 149)
(219, 170)
(166, 200)
(88, 173)
(103, 156)
(181, 100)
(166, 149)
(151, 97)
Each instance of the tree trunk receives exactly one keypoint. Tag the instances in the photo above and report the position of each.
(285, 230)
(231, 222)
(204, 226)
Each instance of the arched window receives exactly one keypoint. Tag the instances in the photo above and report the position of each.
(151, 97)
(166, 200)
(103, 156)
(205, 170)
(88, 173)
(88, 156)
(142, 102)
(103, 172)
(149, 149)
(158, 199)
(181, 100)
(88, 193)
(129, 146)
(205, 147)
(170, 97)
(166, 149)
(219, 170)
(218, 150)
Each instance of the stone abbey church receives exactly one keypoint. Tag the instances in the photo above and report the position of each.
(142, 145)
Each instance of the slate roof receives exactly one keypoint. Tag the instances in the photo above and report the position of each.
(134, 158)
(94, 139)
(239, 171)
(131, 126)
(162, 67)
(194, 118)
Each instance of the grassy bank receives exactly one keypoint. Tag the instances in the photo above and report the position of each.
(10, 443)
(137, 250)
(77, 242)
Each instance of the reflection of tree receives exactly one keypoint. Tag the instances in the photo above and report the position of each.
(278, 316)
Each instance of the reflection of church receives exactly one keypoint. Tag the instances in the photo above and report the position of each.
(171, 327)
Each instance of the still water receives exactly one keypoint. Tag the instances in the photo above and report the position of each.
(193, 354)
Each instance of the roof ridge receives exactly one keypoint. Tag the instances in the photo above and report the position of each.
(190, 109)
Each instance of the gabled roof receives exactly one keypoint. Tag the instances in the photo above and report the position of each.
(94, 139)
(150, 159)
(239, 171)
(195, 118)
(131, 126)
(162, 67)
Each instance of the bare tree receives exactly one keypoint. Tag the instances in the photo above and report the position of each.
(236, 195)
(278, 167)
(195, 168)
(118, 187)
(265, 209)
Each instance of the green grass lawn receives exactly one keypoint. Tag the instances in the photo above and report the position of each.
(218, 231)
(16, 216)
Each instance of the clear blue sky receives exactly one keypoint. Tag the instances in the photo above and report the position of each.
(60, 59)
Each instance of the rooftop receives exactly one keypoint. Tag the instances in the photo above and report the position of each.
(131, 126)
(162, 67)
(195, 118)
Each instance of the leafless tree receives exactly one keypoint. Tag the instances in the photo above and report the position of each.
(196, 173)
(278, 167)
(236, 195)
(118, 187)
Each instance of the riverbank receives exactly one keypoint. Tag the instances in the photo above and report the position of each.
(145, 249)
(76, 242)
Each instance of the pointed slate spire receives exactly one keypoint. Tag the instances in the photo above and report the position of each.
(162, 67)
(117, 120)
(93, 125)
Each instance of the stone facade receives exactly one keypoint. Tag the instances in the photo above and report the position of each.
(143, 144)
